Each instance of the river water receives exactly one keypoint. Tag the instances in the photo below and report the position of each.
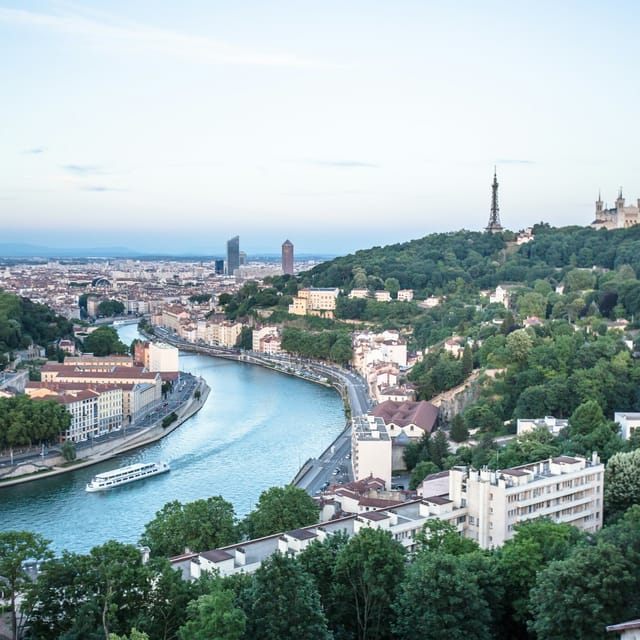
(255, 431)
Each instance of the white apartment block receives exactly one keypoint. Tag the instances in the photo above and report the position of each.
(370, 449)
(359, 293)
(163, 357)
(481, 505)
(405, 295)
(382, 296)
(430, 302)
(553, 425)
(628, 422)
(563, 489)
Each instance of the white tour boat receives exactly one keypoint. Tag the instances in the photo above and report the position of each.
(133, 472)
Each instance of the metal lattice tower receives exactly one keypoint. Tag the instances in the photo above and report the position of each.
(494, 225)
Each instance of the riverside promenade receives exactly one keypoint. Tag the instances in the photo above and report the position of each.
(100, 450)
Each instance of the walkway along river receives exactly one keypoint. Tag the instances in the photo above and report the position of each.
(255, 430)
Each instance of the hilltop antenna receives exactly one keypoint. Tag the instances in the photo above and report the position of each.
(494, 225)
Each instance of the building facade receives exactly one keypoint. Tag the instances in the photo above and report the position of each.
(233, 255)
(163, 357)
(563, 489)
(287, 258)
(371, 453)
(320, 301)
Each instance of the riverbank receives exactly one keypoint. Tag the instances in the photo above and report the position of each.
(105, 450)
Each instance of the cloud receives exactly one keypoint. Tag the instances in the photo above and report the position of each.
(35, 150)
(99, 188)
(512, 161)
(344, 164)
(110, 33)
(83, 169)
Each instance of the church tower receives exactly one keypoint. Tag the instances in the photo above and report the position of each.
(494, 225)
(599, 207)
(619, 201)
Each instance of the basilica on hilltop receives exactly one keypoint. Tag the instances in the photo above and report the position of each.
(619, 217)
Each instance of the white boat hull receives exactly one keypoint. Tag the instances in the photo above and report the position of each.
(126, 475)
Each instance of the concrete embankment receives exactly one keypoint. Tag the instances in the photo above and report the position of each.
(105, 450)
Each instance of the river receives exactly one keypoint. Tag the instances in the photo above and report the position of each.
(255, 430)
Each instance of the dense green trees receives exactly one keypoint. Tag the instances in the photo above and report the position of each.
(285, 603)
(104, 341)
(109, 591)
(622, 482)
(329, 345)
(584, 593)
(438, 371)
(108, 308)
(439, 599)
(26, 422)
(214, 616)
(280, 509)
(23, 323)
(370, 566)
(199, 525)
(548, 578)
(16, 548)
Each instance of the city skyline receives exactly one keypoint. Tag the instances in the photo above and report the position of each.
(169, 129)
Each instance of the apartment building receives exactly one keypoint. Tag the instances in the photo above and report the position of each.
(267, 340)
(83, 407)
(563, 489)
(405, 295)
(481, 505)
(628, 422)
(315, 301)
(109, 404)
(370, 448)
(141, 389)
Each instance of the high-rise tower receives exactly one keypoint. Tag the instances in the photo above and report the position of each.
(494, 225)
(233, 254)
(287, 258)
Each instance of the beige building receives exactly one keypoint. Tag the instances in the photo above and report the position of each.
(172, 316)
(266, 339)
(90, 362)
(141, 389)
(370, 449)
(405, 295)
(315, 302)
(163, 357)
(382, 296)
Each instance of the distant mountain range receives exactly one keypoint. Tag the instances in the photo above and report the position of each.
(22, 250)
(10, 250)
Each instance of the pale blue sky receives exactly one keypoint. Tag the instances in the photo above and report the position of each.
(339, 125)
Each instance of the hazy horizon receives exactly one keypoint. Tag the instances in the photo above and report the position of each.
(338, 126)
